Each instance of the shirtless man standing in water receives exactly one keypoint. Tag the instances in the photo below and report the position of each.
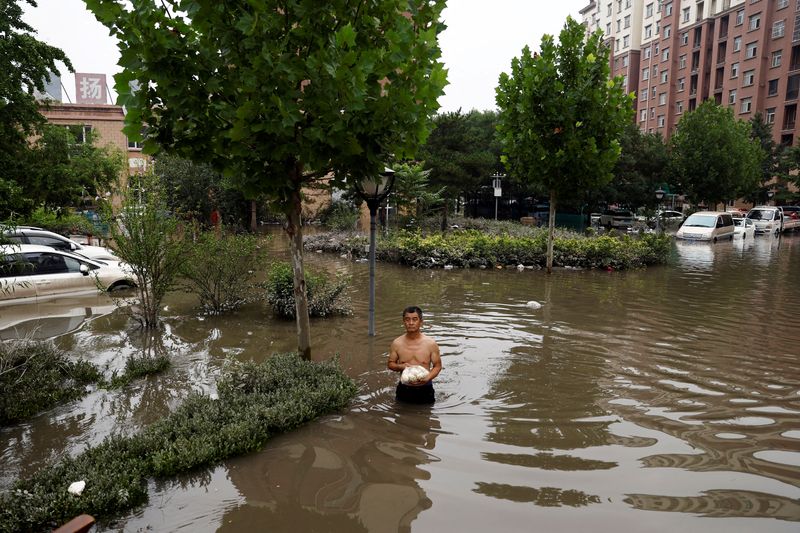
(415, 348)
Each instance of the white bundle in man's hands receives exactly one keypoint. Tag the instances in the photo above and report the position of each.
(413, 375)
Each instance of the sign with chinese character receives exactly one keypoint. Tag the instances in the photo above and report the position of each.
(90, 88)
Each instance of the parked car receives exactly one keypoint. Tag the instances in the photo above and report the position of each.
(30, 272)
(616, 218)
(768, 219)
(34, 235)
(707, 226)
(743, 227)
(670, 218)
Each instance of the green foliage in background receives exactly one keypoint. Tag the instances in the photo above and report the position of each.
(340, 216)
(255, 402)
(220, 268)
(326, 294)
(61, 221)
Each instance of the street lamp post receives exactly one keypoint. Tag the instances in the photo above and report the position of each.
(497, 185)
(770, 194)
(373, 191)
(659, 197)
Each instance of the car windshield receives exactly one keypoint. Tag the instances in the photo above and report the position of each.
(759, 214)
(701, 221)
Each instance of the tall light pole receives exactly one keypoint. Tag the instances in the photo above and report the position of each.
(659, 197)
(497, 185)
(373, 191)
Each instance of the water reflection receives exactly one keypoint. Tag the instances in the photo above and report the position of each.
(668, 389)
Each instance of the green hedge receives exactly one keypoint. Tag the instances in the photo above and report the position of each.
(255, 402)
(326, 295)
(473, 248)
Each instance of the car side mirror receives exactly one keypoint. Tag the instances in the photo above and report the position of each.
(84, 270)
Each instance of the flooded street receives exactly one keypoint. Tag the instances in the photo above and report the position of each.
(665, 399)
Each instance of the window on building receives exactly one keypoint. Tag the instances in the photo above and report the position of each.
(652, 112)
(662, 99)
(619, 25)
(619, 5)
(682, 61)
(626, 41)
(772, 87)
(664, 76)
(685, 38)
(608, 29)
(665, 54)
(643, 115)
(647, 52)
(776, 58)
(769, 115)
(648, 31)
(751, 50)
(749, 77)
(617, 45)
(668, 9)
(778, 28)
(648, 10)
(732, 96)
(681, 84)
(625, 84)
(645, 73)
(667, 31)
(627, 21)
(686, 13)
(625, 60)
(654, 93)
(737, 43)
(80, 133)
(643, 95)
(793, 87)
(747, 103)
(627, 4)
(608, 11)
(661, 121)
(739, 17)
(734, 70)
(755, 21)
(783, 3)
(679, 107)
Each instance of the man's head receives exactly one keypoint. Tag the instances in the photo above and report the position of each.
(412, 318)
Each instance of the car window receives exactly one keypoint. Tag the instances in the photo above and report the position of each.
(52, 242)
(14, 265)
(50, 264)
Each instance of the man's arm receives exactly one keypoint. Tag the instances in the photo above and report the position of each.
(436, 359)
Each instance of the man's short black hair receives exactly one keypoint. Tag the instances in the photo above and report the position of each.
(413, 309)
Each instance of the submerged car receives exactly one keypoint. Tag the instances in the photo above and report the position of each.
(34, 235)
(743, 227)
(707, 226)
(616, 218)
(30, 272)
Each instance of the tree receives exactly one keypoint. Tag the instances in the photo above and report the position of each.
(25, 64)
(561, 117)
(639, 171)
(59, 170)
(773, 165)
(412, 192)
(712, 155)
(461, 153)
(279, 95)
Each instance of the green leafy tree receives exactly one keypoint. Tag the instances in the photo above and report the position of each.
(60, 170)
(561, 117)
(713, 156)
(639, 171)
(412, 193)
(25, 65)
(461, 153)
(279, 95)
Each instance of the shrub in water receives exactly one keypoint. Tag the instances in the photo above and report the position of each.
(256, 401)
(340, 216)
(35, 376)
(325, 296)
(220, 270)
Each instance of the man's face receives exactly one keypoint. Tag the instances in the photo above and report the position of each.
(412, 322)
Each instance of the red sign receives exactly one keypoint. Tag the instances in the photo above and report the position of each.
(90, 88)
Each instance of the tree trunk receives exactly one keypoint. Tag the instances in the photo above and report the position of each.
(444, 213)
(551, 227)
(253, 221)
(295, 233)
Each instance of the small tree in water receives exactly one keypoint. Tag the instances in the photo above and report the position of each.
(145, 235)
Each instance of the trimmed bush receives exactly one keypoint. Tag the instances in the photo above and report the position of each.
(256, 401)
(220, 270)
(339, 216)
(35, 376)
(325, 295)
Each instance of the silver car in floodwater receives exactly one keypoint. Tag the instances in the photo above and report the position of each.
(707, 226)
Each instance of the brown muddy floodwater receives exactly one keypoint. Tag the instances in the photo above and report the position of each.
(665, 399)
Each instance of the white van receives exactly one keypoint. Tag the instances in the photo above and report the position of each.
(707, 226)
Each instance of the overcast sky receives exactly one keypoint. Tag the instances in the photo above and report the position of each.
(480, 40)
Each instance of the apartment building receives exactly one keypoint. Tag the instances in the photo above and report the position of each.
(674, 54)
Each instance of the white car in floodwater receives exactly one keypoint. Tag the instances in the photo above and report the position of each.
(743, 228)
(30, 272)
